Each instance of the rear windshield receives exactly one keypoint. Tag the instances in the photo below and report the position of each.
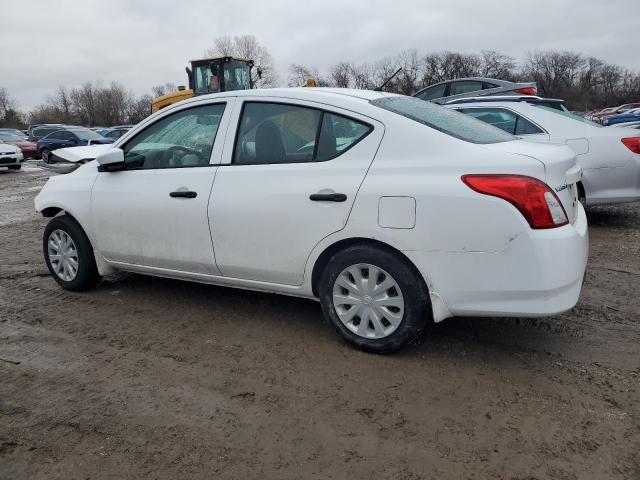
(567, 114)
(87, 135)
(447, 121)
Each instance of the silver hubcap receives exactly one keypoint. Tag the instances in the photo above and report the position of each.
(368, 301)
(63, 255)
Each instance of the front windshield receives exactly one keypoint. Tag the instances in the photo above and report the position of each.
(11, 137)
(443, 119)
(237, 76)
(87, 135)
(568, 114)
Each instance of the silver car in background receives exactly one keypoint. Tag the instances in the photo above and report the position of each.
(473, 87)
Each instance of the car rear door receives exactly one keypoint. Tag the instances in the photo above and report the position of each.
(291, 174)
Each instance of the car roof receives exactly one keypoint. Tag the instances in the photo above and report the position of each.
(506, 98)
(348, 99)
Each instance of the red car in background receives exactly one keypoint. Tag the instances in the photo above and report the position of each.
(17, 138)
(615, 110)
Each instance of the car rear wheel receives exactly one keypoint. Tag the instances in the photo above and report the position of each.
(373, 298)
(45, 155)
(69, 254)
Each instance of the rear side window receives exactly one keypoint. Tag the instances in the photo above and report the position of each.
(464, 86)
(433, 92)
(280, 133)
(504, 119)
(447, 121)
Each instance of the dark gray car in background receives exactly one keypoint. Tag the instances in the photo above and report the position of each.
(473, 87)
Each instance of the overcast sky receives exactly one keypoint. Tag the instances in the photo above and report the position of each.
(141, 43)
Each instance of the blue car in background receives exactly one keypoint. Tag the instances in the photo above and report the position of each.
(628, 116)
(69, 137)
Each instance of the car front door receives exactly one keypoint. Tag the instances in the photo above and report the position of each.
(291, 174)
(153, 214)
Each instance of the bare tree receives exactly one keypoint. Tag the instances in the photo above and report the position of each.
(299, 74)
(496, 65)
(9, 114)
(159, 90)
(248, 47)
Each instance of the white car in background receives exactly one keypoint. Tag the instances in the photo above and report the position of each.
(610, 158)
(391, 211)
(10, 156)
(633, 125)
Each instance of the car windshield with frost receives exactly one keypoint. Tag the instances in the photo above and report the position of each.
(444, 120)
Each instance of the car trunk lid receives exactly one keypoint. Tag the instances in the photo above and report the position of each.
(561, 172)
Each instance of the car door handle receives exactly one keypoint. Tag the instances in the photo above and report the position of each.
(183, 194)
(328, 197)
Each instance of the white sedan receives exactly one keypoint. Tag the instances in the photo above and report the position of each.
(391, 211)
(10, 156)
(610, 158)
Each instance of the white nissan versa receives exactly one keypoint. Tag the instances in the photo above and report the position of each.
(392, 211)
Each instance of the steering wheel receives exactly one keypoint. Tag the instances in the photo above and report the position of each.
(169, 152)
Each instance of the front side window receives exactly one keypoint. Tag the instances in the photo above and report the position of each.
(279, 133)
(182, 139)
(504, 119)
(62, 135)
(464, 86)
(433, 92)
(445, 120)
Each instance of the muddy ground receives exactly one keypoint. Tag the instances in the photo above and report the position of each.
(154, 378)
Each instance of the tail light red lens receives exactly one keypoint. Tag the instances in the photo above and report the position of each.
(632, 143)
(527, 91)
(538, 204)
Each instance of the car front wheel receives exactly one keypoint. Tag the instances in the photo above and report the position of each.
(69, 254)
(373, 298)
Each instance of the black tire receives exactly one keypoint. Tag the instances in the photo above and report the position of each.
(45, 155)
(417, 308)
(87, 276)
(15, 167)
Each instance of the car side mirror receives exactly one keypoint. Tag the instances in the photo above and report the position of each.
(111, 161)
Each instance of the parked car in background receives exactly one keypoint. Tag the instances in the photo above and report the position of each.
(634, 125)
(14, 131)
(555, 103)
(28, 149)
(391, 211)
(116, 133)
(71, 137)
(606, 112)
(42, 131)
(631, 115)
(610, 158)
(473, 87)
(10, 156)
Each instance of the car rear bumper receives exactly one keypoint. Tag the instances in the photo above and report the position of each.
(538, 273)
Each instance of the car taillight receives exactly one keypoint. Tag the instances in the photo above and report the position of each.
(534, 199)
(632, 143)
(527, 91)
